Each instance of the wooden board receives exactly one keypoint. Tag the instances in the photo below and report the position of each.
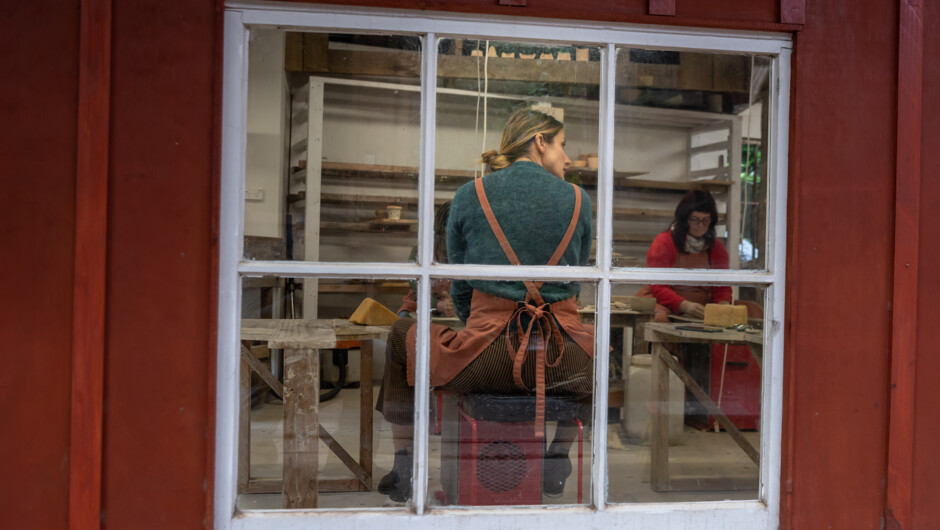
(306, 334)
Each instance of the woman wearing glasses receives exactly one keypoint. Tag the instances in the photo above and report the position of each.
(689, 243)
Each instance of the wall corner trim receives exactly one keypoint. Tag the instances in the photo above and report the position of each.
(88, 312)
(900, 463)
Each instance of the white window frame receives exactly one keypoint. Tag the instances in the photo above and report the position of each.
(239, 17)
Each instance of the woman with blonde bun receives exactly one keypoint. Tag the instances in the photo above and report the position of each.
(521, 337)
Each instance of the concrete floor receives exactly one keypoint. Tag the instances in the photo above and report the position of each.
(702, 455)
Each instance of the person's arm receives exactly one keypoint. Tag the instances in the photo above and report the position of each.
(662, 254)
(721, 294)
(587, 221)
(460, 290)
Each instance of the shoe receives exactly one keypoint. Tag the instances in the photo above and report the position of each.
(555, 471)
(397, 483)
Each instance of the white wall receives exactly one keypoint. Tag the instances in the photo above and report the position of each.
(266, 153)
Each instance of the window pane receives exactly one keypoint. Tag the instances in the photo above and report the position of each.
(333, 147)
(691, 136)
(309, 378)
(481, 84)
(487, 446)
(666, 443)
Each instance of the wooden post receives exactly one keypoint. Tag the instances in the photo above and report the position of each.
(659, 423)
(244, 427)
(301, 426)
(315, 97)
(365, 410)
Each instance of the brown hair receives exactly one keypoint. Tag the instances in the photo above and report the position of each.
(521, 129)
(694, 201)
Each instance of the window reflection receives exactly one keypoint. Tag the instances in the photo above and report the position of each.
(685, 398)
(333, 147)
(490, 445)
(690, 121)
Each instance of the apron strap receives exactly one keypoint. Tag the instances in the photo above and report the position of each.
(540, 318)
(531, 287)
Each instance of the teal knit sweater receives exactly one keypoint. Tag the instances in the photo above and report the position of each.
(533, 207)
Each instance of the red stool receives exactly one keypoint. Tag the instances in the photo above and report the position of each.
(490, 454)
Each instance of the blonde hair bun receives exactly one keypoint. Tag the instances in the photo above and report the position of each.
(523, 125)
(494, 160)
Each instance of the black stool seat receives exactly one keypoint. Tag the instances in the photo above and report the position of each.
(519, 408)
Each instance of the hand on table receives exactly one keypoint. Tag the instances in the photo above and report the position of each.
(692, 309)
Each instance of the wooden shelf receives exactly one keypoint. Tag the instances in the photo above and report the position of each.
(381, 287)
(369, 226)
(626, 179)
(622, 179)
(634, 238)
(390, 173)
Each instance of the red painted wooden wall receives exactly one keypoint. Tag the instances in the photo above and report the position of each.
(159, 299)
(38, 120)
(839, 290)
(926, 513)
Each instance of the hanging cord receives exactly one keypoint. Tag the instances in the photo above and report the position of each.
(486, 92)
(476, 122)
(747, 160)
(721, 385)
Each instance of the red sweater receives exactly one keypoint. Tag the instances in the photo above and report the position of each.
(663, 254)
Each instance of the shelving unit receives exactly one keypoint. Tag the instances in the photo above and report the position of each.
(338, 201)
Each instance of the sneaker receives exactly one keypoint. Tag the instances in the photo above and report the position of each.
(555, 471)
(397, 483)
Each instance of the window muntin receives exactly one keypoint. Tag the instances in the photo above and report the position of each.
(753, 514)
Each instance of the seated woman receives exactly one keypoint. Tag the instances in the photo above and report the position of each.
(689, 243)
(519, 336)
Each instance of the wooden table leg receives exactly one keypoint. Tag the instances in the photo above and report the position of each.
(365, 410)
(659, 420)
(244, 427)
(301, 427)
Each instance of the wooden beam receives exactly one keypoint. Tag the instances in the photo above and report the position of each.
(900, 472)
(406, 64)
(259, 368)
(91, 230)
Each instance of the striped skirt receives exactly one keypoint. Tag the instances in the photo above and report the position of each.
(490, 372)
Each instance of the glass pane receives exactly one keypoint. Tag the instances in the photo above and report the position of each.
(488, 446)
(333, 147)
(298, 341)
(481, 84)
(691, 135)
(685, 398)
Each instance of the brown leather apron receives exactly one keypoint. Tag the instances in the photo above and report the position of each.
(491, 316)
(700, 294)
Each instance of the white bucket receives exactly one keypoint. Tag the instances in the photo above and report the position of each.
(637, 411)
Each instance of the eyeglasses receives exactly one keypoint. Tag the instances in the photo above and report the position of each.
(704, 221)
